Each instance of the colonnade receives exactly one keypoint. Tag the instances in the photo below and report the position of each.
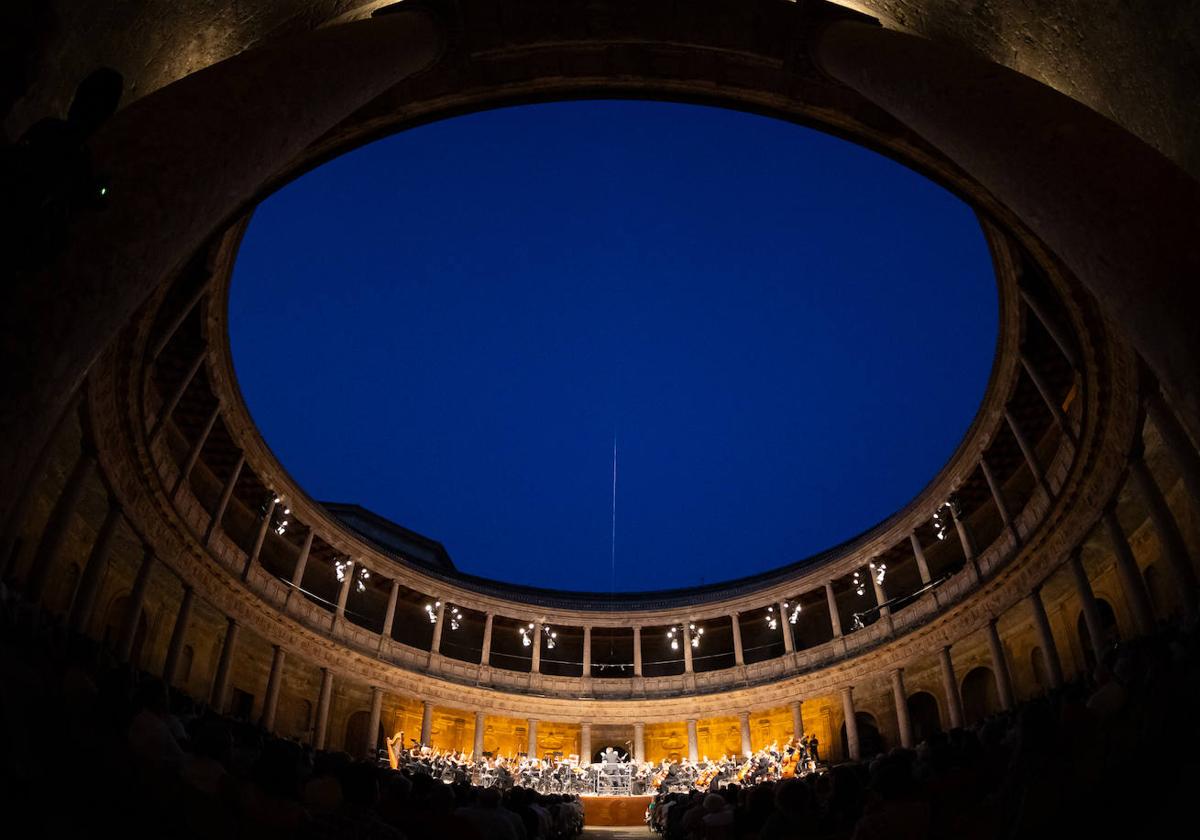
(965, 537)
(83, 603)
(1174, 552)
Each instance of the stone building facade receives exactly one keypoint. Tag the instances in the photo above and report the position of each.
(145, 508)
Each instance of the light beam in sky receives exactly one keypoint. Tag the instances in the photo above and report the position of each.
(612, 586)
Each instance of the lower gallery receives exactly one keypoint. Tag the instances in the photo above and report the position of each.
(192, 648)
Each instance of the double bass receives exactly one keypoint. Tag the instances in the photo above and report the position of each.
(790, 764)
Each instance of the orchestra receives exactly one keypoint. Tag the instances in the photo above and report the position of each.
(558, 773)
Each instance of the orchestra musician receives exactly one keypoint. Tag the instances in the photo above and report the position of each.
(556, 774)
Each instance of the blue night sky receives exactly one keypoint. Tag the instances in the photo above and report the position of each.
(787, 334)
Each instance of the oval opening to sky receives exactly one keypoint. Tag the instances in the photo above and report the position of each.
(785, 334)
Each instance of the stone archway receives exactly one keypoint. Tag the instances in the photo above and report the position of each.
(870, 740)
(1110, 633)
(356, 732)
(923, 713)
(979, 696)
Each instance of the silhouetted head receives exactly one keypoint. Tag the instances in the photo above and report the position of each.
(95, 100)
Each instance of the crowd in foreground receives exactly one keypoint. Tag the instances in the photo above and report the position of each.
(1113, 755)
(91, 746)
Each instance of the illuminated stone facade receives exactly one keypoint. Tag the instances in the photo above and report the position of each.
(143, 515)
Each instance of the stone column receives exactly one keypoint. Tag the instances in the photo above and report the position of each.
(426, 722)
(1048, 398)
(919, 554)
(177, 321)
(182, 619)
(274, 681)
(744, 725)
(218, 516)
(797, 718)
(323, 702)
(389, 617)
(967, 542)
(80, 613)
(739, 655)
(1183, 452)
(181, 387)
(54, 535)
(1174, 550)
(1000, 666)
(585, 742)
(851, 723)
(998, 498)
(1046, 637)
(1031, 461)
(436, 645)
(880, 595)
(220, 690)
(1132, 584)
(954, 710)
(485, 655)
(194, 453)
(301, 564)
(532, 749)
(789, 644)
(536, 665)
(344, 592)
(1091, 611)
(587, 650)
(137, 600)
(903, 721)
(687, 648)
(480, 729)
(372, 741)
(639, 742)
(693, 748)
(637, 651)
(1053, 327)
(835, 617)
(259, 538)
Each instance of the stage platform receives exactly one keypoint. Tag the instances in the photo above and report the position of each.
(615, 810)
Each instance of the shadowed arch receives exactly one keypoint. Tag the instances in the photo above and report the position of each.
(979, 695)
(923, 713)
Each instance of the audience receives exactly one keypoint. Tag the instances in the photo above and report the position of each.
(88, 745)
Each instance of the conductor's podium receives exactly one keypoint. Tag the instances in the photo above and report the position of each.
(615, 810)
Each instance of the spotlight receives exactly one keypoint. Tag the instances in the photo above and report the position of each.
(943, 517)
